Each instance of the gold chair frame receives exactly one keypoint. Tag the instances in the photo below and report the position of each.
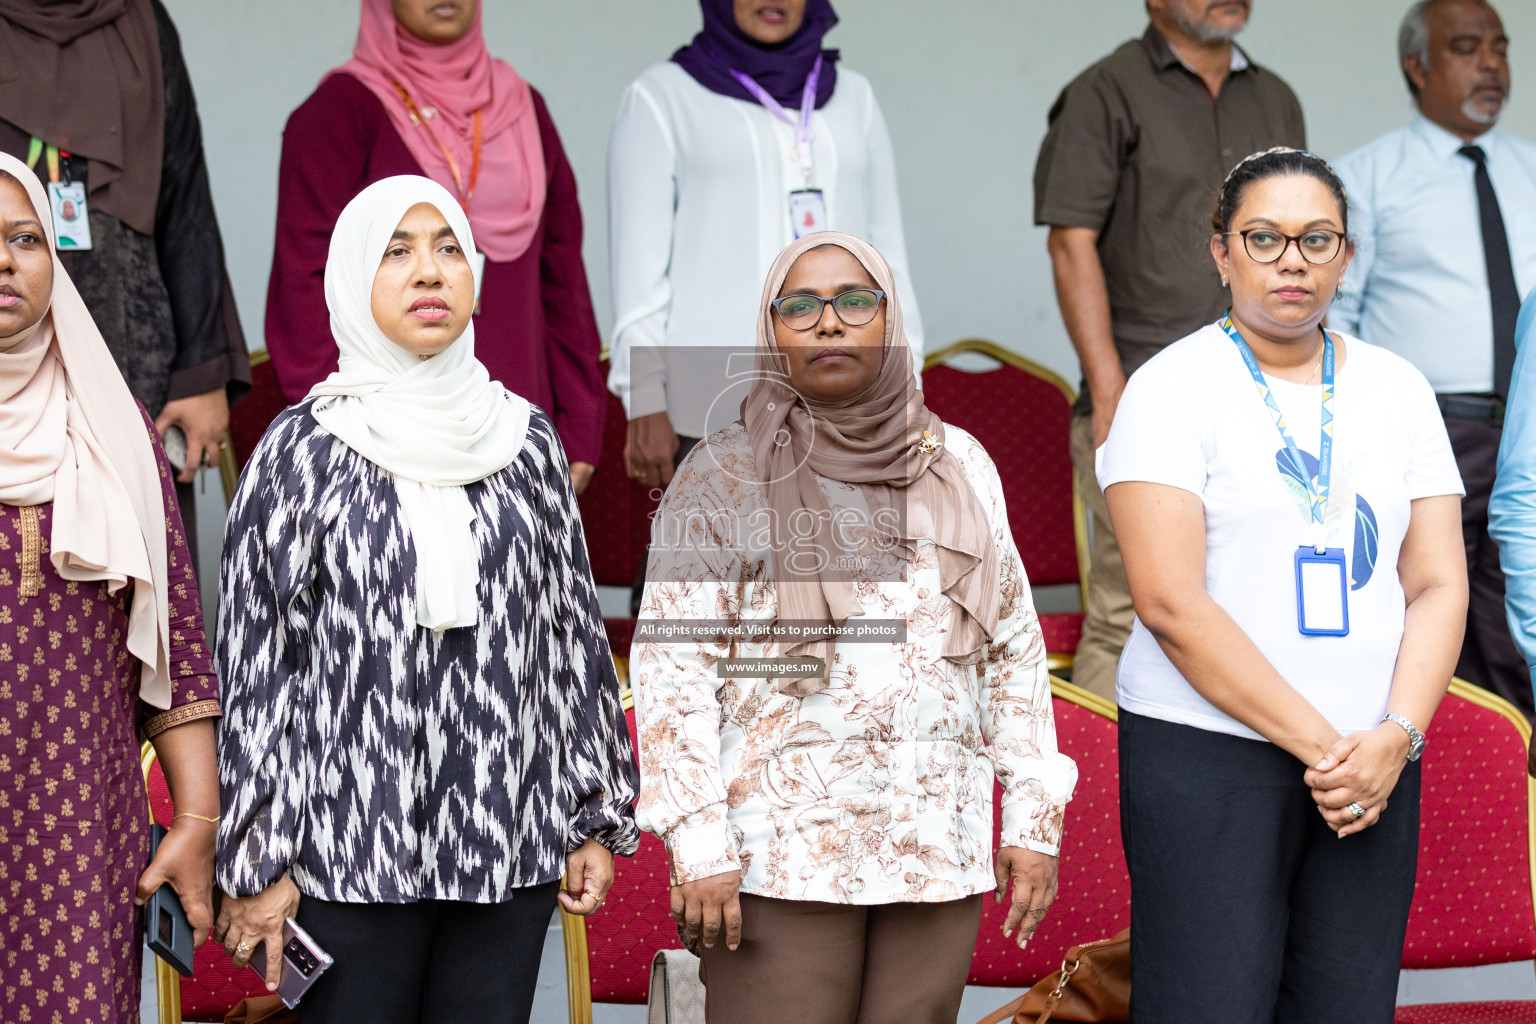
(167, 981)
(1058, 661)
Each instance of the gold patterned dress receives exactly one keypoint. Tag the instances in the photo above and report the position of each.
(74, 825)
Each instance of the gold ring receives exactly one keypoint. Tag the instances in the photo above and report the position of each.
(243, 948)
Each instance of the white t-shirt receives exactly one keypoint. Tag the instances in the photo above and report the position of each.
(1192, 418)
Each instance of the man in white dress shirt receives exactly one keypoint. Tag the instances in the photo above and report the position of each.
(1445, 220)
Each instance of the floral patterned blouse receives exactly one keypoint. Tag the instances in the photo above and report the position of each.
(879, 788)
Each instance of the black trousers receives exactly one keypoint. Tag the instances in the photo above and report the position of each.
(432, 962)
(1489, 657)
(1245, 907)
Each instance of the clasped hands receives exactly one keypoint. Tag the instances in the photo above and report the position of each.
(1361, 768)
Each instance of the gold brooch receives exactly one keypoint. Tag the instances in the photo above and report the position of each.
(929, 444)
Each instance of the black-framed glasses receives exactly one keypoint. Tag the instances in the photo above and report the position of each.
(855, 307)
(1266, 245)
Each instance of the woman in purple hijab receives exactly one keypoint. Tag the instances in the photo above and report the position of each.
(751, 136)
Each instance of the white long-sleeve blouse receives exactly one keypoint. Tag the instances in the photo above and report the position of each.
(877, 789)
(698, 207)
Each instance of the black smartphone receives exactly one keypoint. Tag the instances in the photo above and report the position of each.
(303, 963)
(167, 932)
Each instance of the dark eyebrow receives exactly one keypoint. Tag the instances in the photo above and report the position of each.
(446, 231)
(14, 224)
(838, 290)
(1320, 222)
(402, 235)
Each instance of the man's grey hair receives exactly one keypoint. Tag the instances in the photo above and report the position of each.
(1413, 39)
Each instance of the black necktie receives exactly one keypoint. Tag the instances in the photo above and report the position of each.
(1502, 292)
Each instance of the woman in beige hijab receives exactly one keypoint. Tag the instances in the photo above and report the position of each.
(101, 638)
(829, 824)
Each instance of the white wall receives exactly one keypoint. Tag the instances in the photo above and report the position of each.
(965, 85)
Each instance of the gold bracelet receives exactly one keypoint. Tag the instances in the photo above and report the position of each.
(200, 817)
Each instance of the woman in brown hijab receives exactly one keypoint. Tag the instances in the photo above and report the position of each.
(95, 95)
(830, 824)
(101, 642)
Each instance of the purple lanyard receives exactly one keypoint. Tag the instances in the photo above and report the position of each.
(807, 108)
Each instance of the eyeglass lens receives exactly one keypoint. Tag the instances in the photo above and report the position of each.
(1316, 247)
(855, 308)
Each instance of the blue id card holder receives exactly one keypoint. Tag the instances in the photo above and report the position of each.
(1322, 592)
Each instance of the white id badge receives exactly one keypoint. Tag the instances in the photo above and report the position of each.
(71, 220)
(477, 261)
(1322, 592)
(807, 211)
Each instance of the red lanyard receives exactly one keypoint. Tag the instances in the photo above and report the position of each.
(453, 165)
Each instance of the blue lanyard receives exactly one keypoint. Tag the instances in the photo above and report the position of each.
(1317, 489)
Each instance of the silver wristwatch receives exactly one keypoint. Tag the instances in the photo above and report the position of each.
(1415, 738)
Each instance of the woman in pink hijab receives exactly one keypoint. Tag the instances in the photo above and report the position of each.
(422, 95)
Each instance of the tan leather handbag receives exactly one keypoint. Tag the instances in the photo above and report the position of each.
(1092, 987)
(261, 1010)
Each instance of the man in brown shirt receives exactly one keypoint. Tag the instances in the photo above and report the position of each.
(1127, 179)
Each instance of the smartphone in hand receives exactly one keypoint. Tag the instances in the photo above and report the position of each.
(167, 932)
(303, 963)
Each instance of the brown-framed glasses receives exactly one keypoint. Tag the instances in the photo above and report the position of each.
(1266, 245)
(855, 307)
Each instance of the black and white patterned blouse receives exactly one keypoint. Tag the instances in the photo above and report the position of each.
(378, 761)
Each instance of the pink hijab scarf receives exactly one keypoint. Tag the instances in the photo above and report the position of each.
(887, 443)
(448, 84)
(71, 433)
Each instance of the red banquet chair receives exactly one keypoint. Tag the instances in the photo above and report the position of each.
(1473, 901)
(1022, 414)
(216, 984)
(608, 957)
(1094, 886)
(616, 518)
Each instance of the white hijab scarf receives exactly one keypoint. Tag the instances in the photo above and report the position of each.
(71, 433)
(434, 424)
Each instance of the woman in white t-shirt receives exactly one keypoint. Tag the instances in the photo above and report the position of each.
(1289, 512)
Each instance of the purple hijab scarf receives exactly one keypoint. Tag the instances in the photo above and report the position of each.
(781, 70)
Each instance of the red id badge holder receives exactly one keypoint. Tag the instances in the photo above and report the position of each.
(1322, 592)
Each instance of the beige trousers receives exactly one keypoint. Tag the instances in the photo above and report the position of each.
(1107, 624)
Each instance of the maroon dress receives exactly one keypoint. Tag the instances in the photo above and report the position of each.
(535, 332)
(74, 814)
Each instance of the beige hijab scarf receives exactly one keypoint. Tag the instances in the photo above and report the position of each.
(71, 433)
(875, 440)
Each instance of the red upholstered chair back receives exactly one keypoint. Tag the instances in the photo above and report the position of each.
(1473, 900)
(1095, 889)
(216, 984)
(1021, 413)
(252, 415)
(615, 511)
(608, 955)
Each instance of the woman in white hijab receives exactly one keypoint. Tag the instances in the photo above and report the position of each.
(423, 729)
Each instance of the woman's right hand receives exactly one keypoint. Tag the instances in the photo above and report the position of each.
(246, 922)
(649, 449)
(706, 905)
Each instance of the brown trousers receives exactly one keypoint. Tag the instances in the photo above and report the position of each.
(1108, 618)
(832, 963)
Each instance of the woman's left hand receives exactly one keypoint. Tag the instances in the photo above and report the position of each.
(1362, 768)
(1032, 876)
(588, 874)
(185, 860)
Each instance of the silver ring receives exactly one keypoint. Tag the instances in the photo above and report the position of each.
(243, 948)
(1356, 810)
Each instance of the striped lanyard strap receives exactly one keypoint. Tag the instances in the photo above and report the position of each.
(1317, 488)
